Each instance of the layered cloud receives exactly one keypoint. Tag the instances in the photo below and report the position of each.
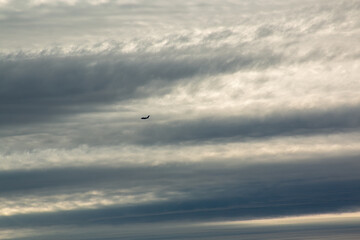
(178, 192)
(253, 119)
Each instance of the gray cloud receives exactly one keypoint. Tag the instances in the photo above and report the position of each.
(297, 123)
(204, 192)
(215, 76)
(222, 129)
(35, 89)
(154, 231)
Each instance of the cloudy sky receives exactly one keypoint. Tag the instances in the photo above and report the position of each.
(254, 128)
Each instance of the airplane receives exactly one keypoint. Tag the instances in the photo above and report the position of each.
(145, 117)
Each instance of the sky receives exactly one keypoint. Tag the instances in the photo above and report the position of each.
(254, 128)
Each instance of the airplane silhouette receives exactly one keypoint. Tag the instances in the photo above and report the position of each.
(145, 117)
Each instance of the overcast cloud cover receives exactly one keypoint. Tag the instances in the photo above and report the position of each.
(254, 128)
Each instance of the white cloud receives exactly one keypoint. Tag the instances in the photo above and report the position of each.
(285, 149)
(74, 201)
(348, 217)
(53, 2)
(4, 2)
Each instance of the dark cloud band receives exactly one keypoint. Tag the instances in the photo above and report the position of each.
(265, 190)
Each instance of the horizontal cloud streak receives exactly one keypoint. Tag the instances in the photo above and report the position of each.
(191, 191)
(281, 149)
(297, 123)
(254, 119)
(323, 229)
(54, 81)
(34, 89)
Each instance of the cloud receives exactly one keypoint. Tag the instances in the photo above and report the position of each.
(44, 83)
(206, 129)
(253, 110)
(44, 152)
(34, 89)
(304, 219)
(192, 231)
(74, 201)
(192, 191)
